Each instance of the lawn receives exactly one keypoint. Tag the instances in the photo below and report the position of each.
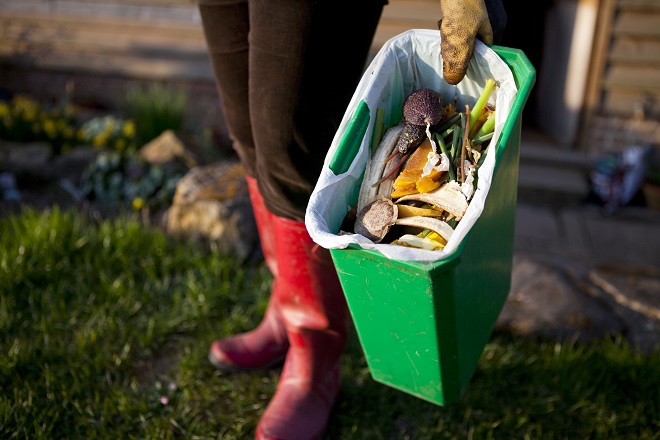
(105, 326)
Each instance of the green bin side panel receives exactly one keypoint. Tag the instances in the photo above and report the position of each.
(423, 326)
(407, 333)
(484, 277)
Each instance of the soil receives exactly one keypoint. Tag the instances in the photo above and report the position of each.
(39, 195)
(41, 190)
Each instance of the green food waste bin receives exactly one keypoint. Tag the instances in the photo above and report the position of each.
(423, 326)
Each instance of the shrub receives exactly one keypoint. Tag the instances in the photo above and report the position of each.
(154, 108)
(24, 119)
(111, 133)
(119, 180)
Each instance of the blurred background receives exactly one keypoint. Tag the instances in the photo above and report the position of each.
(597, 62)
(113, 103)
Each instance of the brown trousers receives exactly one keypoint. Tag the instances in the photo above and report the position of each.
(286, 71)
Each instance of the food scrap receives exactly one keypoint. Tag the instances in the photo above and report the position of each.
(423, 174)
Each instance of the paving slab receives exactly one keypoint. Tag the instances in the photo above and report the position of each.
(545, 301)
(580, 272)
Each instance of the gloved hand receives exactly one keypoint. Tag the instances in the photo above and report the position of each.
(461, 22)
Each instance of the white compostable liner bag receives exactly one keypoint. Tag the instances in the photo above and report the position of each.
(407, 62)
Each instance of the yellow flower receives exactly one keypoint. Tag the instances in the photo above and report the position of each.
(120, 144)
(70, 110)
(22, 101)
(129, 129)
(110, 127)
(50, 128)
(138, 203)
(100, 140)
(30, 115)
(4, 109)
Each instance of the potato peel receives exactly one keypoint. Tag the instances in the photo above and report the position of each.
(376, 218)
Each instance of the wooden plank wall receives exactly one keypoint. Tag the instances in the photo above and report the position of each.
(623, 98)
(632, 75)
(626, 59)
(67, 35)
(402, 15)
(102, 47)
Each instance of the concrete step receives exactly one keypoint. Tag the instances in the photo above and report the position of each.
(548, 170)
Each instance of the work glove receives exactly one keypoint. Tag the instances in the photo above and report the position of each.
(461, 22)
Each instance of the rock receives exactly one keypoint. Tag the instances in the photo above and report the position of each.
(167, 148)
(545, 301)
(8, 188)
(71, 165)
(634, 295)
(212, 204)
(25, 158)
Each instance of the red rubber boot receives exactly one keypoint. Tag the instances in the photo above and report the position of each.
(315, 314)
(266, 345)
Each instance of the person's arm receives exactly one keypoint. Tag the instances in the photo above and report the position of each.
(461, 22)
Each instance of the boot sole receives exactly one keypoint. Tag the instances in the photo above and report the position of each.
(233, 368)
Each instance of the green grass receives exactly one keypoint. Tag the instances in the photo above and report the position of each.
(105, 327)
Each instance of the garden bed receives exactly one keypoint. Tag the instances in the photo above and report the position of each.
(46, 142)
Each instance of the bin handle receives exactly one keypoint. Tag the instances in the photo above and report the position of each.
(351, 140)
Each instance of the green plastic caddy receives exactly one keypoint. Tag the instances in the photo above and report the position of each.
(423, 326)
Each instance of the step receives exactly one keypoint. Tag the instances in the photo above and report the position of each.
(548, 170)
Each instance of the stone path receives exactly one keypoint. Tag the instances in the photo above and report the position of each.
(580, 273)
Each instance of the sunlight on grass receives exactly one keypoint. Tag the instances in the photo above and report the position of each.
(106, 325)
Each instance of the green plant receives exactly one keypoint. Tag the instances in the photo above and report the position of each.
(24, 119)
(154, 108)
(115, 179)
(110, 132)
(653, 166)
(105, 328)
(653, 175)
